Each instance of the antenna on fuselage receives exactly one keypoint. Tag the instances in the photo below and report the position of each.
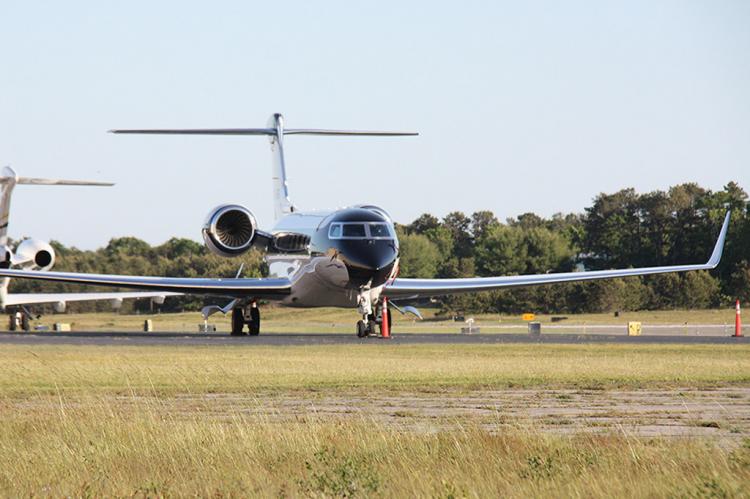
(275, 131)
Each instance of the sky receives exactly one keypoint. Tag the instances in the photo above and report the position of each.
(521, 106)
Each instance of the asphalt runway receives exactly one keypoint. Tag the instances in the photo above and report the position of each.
(308, 339)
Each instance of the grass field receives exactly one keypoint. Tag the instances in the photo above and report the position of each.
(334, 320)
(168, 369)
(175, 421)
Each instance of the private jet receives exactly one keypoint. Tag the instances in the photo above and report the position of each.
(337, 258)
(36, 255)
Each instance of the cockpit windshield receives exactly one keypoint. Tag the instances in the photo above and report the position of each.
(354, 230)
(360, 230)
(379, 230)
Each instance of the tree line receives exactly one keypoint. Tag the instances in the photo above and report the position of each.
(619, 230)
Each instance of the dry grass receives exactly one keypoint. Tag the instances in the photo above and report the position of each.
(142, 421)
(93, 448)
(335, 320)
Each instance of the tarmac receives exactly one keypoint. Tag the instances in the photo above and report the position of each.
(667, 336)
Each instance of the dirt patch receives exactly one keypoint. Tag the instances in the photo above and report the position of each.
(721, 413)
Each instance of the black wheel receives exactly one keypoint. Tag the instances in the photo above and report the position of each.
(12, 324)
(238, 321)
(362, 329)
(25, 325)
(254, 324)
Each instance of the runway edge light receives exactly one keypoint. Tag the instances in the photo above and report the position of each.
(738, 321)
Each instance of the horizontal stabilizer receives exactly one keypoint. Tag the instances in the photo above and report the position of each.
(275, 131)
(262, 131)
(50, 181)
(8, 176)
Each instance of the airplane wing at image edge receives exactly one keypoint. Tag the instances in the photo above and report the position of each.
(229, 287)
(40, 298)
(405, 288)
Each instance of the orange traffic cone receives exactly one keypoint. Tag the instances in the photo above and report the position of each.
(385, 330)
(738, 321)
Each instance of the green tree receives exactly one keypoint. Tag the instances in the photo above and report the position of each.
(419, 257)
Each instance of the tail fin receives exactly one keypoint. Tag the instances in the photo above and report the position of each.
(8, 181)
(275, 131)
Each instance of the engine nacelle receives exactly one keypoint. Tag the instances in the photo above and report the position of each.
(229, 230)
(34, 254)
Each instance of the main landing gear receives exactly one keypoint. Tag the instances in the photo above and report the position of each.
(19, 319)
(246, 315)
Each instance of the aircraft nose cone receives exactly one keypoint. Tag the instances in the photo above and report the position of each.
(378, 256)
(372, 263)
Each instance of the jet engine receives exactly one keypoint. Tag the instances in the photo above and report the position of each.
(230, 230)
(34, 254)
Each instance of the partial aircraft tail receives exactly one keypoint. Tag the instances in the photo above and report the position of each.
(275, 131)
(8, 181)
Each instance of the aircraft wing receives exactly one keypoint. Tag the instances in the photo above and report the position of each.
(266, 288)
(38, 298)
(418, 288)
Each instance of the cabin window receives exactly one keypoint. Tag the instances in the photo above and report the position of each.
(354, 230)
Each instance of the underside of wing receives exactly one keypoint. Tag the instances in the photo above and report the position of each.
(40, 298)
(419, 288)
(234, 288)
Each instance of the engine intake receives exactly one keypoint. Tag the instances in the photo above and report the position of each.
(229, 230)
(34, 254)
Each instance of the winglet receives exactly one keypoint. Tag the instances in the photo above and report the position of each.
(719, 248)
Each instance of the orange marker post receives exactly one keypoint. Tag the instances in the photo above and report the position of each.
(738, 321)
(385, 331)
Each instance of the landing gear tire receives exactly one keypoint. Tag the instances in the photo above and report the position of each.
(362, 329)
(25, 324)
(238, 321)
(254, 324)
(12, 322)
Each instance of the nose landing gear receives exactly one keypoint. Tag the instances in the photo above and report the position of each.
(246, 315)
(370, 320)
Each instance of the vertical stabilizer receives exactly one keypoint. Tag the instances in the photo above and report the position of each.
(282, 205)
(8, 181)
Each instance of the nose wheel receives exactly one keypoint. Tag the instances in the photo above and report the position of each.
(371, 320)
(363, 329)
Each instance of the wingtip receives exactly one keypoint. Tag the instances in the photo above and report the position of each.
(719, 247)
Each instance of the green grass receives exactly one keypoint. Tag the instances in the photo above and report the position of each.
(336, 320)
(242, 367)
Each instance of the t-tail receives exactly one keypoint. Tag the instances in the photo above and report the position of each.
(275, 131)
(8, 181)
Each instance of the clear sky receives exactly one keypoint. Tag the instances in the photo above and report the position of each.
(521, 106)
